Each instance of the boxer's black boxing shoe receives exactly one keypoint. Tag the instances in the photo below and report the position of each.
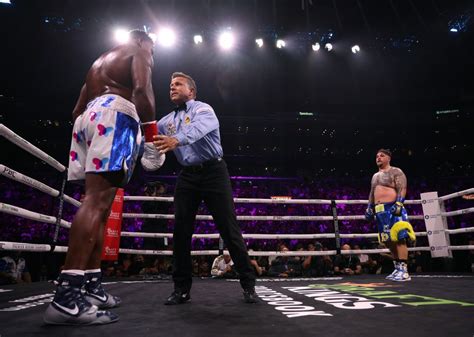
(69, 307)
(96, 294)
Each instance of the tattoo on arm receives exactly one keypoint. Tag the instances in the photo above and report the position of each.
(400, 183)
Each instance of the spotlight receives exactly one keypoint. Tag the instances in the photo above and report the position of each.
(8, 2)
(226, 40)
(166, 37)
(328, 46)
(316, 46)
(280, 44)
(259, 42)
(121, 35)
(197, 39)
(355, 49)
(153, 37)
(453, 30)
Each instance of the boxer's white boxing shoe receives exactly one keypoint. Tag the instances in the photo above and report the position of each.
(402, 273)
(395, 270)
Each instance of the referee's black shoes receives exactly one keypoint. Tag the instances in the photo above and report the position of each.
(250, 296)
(178, 297)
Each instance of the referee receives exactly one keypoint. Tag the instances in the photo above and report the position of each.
(192, 132)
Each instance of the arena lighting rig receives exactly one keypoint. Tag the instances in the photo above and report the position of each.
(166, 37)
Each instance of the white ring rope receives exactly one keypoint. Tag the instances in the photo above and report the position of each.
(260, 217)
(27, 146)
(29, 247)
(21, 212)
(465, 247)
(271, 201)
(263, 236)
(456, 194)
(460, 230)
(458, 212)
(72, 201)
(6, 245)
(14, 175)
(275, 253)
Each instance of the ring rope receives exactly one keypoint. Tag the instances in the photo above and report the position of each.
(271, 201)
(14, 175)
(27, 146)
(260, 217)
(6, 245)
(24, 213)
(460, 230)
(302, 201)
(458, 212)
(456, 194)
(17, 176)
(262, 236)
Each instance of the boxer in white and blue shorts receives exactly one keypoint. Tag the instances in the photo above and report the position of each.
(117, 94)
(106, 137)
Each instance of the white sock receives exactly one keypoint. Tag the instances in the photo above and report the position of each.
(76, 272)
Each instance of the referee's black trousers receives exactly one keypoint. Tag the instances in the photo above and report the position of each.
(209, 183)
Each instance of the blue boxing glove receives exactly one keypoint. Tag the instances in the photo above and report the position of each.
(397, 207)
(369, 212)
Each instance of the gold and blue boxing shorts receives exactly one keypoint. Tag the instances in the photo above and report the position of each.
(392, 227)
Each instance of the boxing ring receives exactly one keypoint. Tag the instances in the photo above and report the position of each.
(429, 305)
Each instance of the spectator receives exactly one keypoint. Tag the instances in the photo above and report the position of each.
(259, 270)
(204, 267)
(13, 269)
(222, 267)
(317, 265)
(123, 269)
(285, 266)
(137, 265)
(347, 264)
(369, 265)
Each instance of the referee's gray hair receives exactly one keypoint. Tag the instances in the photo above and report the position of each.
(188, 78)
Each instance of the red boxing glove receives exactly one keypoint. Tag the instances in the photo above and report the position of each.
(150, 129)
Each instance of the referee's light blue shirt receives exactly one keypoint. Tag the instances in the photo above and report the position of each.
(197, 129)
